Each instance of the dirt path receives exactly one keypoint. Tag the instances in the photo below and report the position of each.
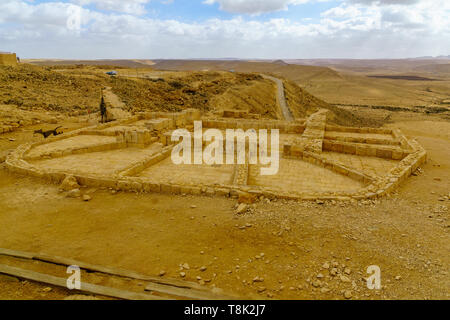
(116, 108)
(281, 98)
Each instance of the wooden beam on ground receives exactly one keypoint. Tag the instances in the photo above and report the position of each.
(85, 287)
(182, 289)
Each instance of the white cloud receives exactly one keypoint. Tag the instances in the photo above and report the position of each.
(254, 7)
(385, 2)
(136, 7)
(347, 30)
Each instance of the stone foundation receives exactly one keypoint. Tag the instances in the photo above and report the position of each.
(308, 140)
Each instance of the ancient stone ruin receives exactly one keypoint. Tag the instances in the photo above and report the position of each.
(317, 160)
(8, 59)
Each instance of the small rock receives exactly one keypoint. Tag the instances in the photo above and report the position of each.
(47, 289)
(75, 193)
(242, 208)
(185, 266)
(182, 274)
(203, 268)
(348, 294)
(86, 198)
(162, 273)
(69, 183)
(326, 266)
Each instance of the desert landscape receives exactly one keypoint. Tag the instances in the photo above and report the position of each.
(364, 180)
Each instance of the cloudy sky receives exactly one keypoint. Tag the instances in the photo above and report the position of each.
(267, 29)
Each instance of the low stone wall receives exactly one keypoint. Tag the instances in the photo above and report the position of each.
(10, 128)
(329, 136)
(379, 151)
(71, 151)
(315, 158)
(358, 130)
(410, 154)
(8, 59)
(283, 126)
(140, 166)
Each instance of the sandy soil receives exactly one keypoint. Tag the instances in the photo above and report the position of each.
(284, 243)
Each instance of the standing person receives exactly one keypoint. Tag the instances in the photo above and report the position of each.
(103, 109)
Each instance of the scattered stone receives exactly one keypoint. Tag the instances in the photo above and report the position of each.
(398, 278)
(320, 276)
(203, 269)
(193, 206)
(75, 193)
(47, 289)
(182, 274)
(344, 279)
(247, 198)
(185, 266)
(347, 271)
(348, 294)
(242, 208)
(69, 183)
(86, 198)
(162, 273)
(326, 266)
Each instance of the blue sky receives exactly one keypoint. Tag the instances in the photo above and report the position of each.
(198, 11)
(266, 29)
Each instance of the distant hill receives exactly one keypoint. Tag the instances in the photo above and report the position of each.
(119, 63)
(280, 63)
(434, 68)
(292, 72)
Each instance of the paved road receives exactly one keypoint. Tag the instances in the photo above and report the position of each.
(287, 114)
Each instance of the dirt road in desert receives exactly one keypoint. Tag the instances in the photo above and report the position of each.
(281, 98)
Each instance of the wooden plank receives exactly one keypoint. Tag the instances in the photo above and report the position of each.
(187, 293)
(174, 287)
(91, 267)
(85, 287)
(17, 254)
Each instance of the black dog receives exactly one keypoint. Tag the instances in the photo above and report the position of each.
(47, 134)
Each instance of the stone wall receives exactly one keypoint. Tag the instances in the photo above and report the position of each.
(8, 59)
